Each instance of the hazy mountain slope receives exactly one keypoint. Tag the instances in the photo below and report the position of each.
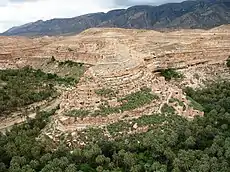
(188, 14)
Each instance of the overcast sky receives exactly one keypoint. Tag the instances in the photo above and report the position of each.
(17, 12)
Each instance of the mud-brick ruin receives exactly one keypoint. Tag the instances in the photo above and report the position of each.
(124, 61)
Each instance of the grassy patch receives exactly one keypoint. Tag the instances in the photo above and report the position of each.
(166, 109)
(92, 135)
(78, 113)
(148, 120)
(170, 74)
(172, 100)
(153, 121)
(118, 127)
(137, 99)
(66, 69)
(195, 105)
(106, 110)
(180, 103)
(25, 86)
(106, 92)
(129, 102)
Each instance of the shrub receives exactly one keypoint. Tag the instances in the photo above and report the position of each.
(53, 59)
(70, 63)
(228, 62)
(137, 99)
(181, 103)
(78, 113)
(167, 109)
(105, 92)
(195, 105)
(170, 74)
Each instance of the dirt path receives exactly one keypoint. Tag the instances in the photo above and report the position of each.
(8, 123)
(166, 102)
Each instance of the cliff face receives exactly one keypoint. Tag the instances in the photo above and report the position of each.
(188, 14)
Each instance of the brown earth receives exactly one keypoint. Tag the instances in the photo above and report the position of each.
(125, 60)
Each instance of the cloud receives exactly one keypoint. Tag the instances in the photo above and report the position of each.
(18, 12)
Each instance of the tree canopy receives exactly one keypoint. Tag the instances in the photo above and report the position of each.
(200, 145)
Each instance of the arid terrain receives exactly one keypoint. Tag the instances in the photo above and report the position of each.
(123, 61)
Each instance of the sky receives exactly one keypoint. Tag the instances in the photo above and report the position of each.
(18, 12)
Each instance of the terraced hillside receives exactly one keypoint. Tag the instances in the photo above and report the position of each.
(124, 72)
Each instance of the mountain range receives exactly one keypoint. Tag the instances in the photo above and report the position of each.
(202, 14)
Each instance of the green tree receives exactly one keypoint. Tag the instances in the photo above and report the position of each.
(71, 168)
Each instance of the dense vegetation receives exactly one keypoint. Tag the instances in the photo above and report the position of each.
(174, 144)
(78, 113)
(129, 102)
(137, 99)
(170, 74)
(21, 87)
(68, 68)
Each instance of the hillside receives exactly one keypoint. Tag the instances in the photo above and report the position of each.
(112, 99)
(120, 63)
(189, 14)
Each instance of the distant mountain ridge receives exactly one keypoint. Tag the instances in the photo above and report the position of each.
(202, 14)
